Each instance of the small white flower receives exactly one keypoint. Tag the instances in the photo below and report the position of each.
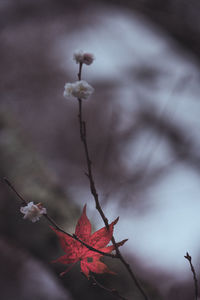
(78, 56)
(82, 89)
(68, 89)
(33, 212)
(83, 57)
(79, 89)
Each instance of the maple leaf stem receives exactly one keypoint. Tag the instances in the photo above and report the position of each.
(83, 137)
(112, 291)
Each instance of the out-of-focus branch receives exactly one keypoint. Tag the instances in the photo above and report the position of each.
(189, 258)
(182, 146)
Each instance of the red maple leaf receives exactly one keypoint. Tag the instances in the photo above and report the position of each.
(75, 251)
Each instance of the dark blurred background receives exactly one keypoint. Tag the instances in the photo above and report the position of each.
(143, 134)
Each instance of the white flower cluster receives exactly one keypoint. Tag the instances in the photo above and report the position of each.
(33, 212)
(79, 89)
(83, 57)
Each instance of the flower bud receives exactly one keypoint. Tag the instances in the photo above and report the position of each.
(83, 57)
(79, 89)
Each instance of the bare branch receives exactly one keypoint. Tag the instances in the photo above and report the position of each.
(189, 258)
(83, 137)
(52, 222)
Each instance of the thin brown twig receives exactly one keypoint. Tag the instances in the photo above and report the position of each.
(80, 71)
(83, 137)
(114, 292)
(24, 202)
(189, 258)
(73, 236)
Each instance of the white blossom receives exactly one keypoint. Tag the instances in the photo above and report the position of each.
(78, 56)
(83, 57)
(33, 212)
(68, 89)
(79, 89)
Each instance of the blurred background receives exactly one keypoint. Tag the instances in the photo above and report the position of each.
(143, 133)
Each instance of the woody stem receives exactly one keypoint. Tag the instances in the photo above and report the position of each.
(112, 291)
(73, 236)
(189, 258)
(52, 222)
(83, 137)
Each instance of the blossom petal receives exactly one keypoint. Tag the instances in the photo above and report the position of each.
(79, 89)
(33, 211)
(101, 238)
(83, 227)
(83, 57)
